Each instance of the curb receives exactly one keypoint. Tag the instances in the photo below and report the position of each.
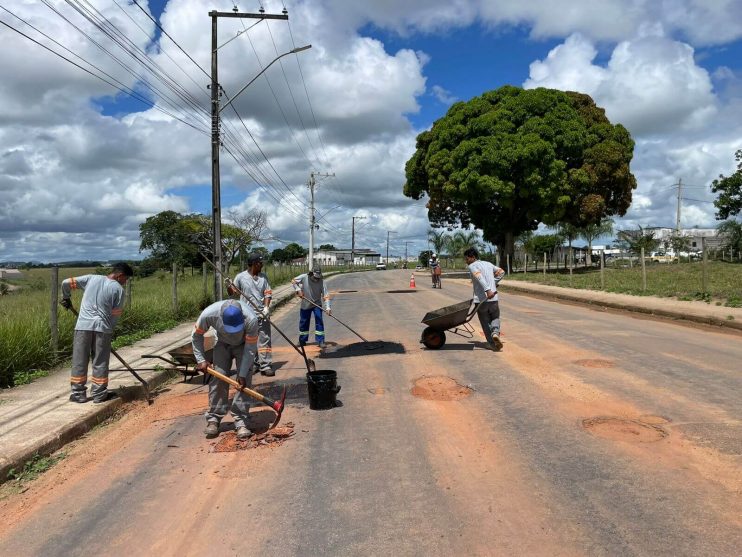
(665, 314)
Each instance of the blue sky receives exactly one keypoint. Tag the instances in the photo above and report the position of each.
(86, 165)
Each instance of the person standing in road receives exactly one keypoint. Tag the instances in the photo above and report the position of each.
(101, 306)
(435, 270)
(311, 288)
(236, 327)
(254, 285)
(485, 276)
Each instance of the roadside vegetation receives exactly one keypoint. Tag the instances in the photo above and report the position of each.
(679, 280)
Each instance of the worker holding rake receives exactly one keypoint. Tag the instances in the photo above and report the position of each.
(236, 327)
(311, 288)
(254, 283)
(101, 306)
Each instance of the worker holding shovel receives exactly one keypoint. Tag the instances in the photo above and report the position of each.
(254, 283)
(236, 326)
(311, 288)
(100, 308)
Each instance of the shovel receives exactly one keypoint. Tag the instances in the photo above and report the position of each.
(276, 405)
(369, 345)
(145, 386)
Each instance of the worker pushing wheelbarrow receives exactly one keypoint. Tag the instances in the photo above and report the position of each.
(454, 319)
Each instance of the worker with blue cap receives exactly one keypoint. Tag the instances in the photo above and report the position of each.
(236, 327)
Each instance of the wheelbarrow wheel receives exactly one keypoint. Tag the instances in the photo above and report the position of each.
(433, 338)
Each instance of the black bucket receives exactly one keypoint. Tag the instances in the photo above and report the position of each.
(322, 387)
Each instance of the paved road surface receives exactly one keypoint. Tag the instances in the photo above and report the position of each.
(590, 434)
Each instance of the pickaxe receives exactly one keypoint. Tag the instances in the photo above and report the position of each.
(276, 405)
(123, 362)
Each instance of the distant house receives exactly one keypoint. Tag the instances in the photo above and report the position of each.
(10, 274)
(361, 256)
(695, 235)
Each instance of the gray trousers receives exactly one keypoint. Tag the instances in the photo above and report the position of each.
(87, 345)
(265, 352)
(219, 390)
(489, 318)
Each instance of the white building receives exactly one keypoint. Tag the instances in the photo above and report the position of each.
(10, 274)
(342, 257)
(695, 235)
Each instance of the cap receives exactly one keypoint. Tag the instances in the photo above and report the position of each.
(317, 273)
(233, 319)
(254, 257)
(434, 255)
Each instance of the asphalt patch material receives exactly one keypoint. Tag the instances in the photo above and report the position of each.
(439, 388)
(228, 441)
(362, 349)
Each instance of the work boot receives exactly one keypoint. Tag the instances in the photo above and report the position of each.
(79, 397)
(243, 433)
(321, 344)
(212, 430)
(105, 398)
(496, 343)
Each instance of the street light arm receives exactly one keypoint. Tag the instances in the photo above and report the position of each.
(261, 72)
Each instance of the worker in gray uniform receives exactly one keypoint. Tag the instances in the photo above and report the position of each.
(101, 306)
(236, 327)
(257, 293)
(311, 287)
(485, 276)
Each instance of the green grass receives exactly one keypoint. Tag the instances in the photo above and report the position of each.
(679, 280)
(35, 467)
(24, 316)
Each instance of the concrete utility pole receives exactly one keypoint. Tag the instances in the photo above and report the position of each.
(353, 240)
(405, 250)
(216, 208)
(680, 198)
(312, 220)
(387, 244)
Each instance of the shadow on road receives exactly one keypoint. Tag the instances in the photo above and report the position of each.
(362, 349)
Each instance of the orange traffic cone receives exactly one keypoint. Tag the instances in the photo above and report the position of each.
(412, 281)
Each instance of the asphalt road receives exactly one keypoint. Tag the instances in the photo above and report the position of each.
(592, 433)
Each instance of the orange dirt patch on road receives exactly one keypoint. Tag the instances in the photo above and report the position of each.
(595, 362)
(229, 442)
(439, 388)
(621, 429)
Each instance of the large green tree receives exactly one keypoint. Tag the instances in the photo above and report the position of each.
(513, 158)
(729, 188)
(168, 236)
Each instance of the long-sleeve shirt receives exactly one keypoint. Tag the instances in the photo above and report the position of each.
(313, 289)
(485, 276)
(102, 302)
(256, 288)
(211, 317)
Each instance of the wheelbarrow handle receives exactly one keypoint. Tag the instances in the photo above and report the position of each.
(276, 405)
(474, 311)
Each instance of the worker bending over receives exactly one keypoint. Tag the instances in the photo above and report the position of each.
(236, 327)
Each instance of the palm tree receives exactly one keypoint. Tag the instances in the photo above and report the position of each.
(591, 232)
(462, 240)
(438, 239)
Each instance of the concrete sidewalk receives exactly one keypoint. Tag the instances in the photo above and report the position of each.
(39, 419)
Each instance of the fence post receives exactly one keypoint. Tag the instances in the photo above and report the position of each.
(704, 269)
(602, 270)
(644, 271)
(571, 262)
(544, 264)
(525, 263)
(54, 312)
(175, 287)
(203, 278)
(508, 262)
(128, 292)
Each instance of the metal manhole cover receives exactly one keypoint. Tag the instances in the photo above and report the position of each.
(439, 388)
(595, 362)
(624, 429)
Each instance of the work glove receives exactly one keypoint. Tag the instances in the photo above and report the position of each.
(329, 311)
(231, 290)
(300, 293)
(266, 311)
(201, 366)
(242, 381)
(66, 303)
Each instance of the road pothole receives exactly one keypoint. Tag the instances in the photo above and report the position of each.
(623, 429)
(654, 419)
(228, 442)
(439, 388)
(595, 362)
